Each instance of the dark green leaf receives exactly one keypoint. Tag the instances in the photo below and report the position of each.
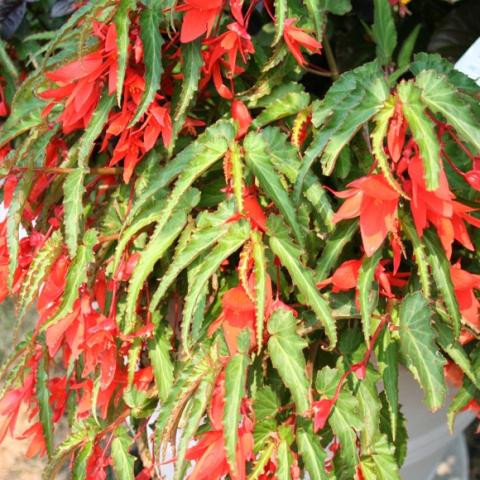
(384, 30)
(285, 347)
(418, 349)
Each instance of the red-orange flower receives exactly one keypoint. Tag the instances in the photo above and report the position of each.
(199, 18)
(295, 38)
(80, 82)
(464, 284)
(373, 200)
(209, 452)
(438, 208)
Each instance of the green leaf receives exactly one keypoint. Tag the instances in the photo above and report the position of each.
(384, 31)
(144, 218)
(257, 157)
(76, 276)
(302, 277)
(419, 253)
(284, 106)
(73, 190)
(285, 348)
(199, 275)
(387, 357)
(284, 158)
(337, 241)
(373, 100)
(193, 415)
(190, 164)
(280, 16)
(260, 271)
(378, 463)
(441, 97)
(423, 132)
(408, 46)
(162, 239)
(317, 14)
(418, 349)
(159, 353)
(38, 270)
(440, 267)
(211, 227)
(6, 61)
(337, 7)
(235, 378)
(366, 291)
(152, 58)
(237, 175)
(284, 461)
(265, 403)
(455, 351)
(122, 24)
(463, 397)
(45, 411)
(345, 422)
(261, 462)
(14, 218)
(312, 452)
(79, 469)
(190, 69)
(123, 461)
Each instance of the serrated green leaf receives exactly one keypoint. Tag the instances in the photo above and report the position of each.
(289, 256)
(152, 58)
(280, 16)
(340, 237)
(262, 461)
(373, 100)
(122, 24)
(419, 252)
(37, 271)
(14, 219)
(162, 239)
(418, 349)
(211, 228)
(463, 397)
(44, 409)
(345, 422)
(455, 351)
(366, 290)
(260, 271)
(285, 106)
(387, 357)
(159, 353)
(384, 31)
(284, 461)
(237, 175)
(312, 452)
(79, 469)
(423, 132)
(266, 403)
(257, 158)
(285, 348)
(378, 463)
(123, 461)
(76, 276)
(440, 267)
(199, 275)
(441, 97)
(190, 163)
(369, 408)
(235, 378)
(73, 190)
(284, 158)
(337, 7)
(190, 69)
(194, 413)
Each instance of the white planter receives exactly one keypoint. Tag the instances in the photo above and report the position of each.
(428, 433)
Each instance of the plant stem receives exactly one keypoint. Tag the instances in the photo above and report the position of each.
(332, 63)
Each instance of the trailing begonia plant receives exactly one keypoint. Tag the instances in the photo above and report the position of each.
(231, 242)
